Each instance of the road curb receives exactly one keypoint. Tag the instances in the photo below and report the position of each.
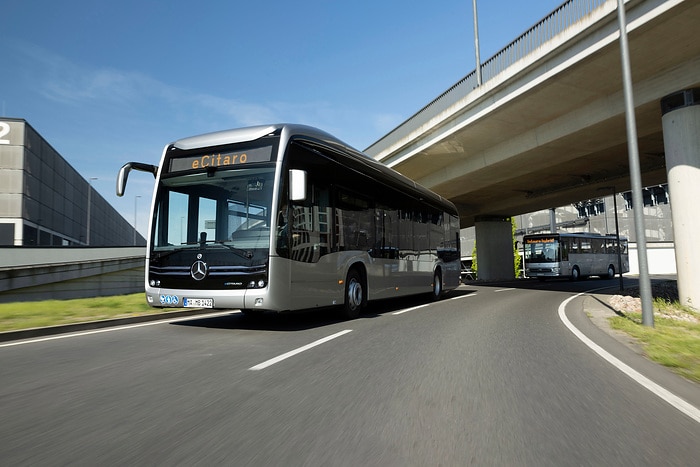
(31, 333)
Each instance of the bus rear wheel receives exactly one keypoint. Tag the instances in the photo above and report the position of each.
(354, 295)
(611, 272)
(437, 285)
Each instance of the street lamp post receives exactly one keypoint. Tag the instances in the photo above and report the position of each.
(135, 211)
(476, 45)
(635, 171)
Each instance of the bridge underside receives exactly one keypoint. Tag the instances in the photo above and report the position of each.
(555, 132)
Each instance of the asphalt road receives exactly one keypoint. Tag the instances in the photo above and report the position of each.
(490, 376)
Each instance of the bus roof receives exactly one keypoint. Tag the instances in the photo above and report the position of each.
(314, 136)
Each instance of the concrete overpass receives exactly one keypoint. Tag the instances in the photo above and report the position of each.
(547, 125)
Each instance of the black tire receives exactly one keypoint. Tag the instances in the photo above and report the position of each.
(575, 274)
(355, 298)
(611, 272)
(437, 286)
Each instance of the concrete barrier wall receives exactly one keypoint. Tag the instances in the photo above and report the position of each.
(661, 258)
(29, 274)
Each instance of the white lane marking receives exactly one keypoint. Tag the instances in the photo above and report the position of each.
(677, 402)
(400, 312)
(413, 308)
(116, 328)
(473, 294)
(285, 356)
(504, 290)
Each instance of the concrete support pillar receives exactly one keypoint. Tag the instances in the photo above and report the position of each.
(494, 248)
(681, 127)
(553, 220)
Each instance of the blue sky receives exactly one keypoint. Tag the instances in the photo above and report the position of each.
(110, 82)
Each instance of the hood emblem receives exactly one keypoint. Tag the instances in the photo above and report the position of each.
(199, 270)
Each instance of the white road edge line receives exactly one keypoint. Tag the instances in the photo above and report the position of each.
(677, 402)
(413, 308)
(116, 328)
(285, 356)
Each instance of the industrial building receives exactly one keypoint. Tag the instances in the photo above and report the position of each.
(44, 201)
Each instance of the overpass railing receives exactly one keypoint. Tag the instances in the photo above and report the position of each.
(563, 17)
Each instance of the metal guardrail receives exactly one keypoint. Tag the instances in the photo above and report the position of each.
(563, 17)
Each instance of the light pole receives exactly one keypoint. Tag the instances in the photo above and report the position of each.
(135, 200)
(476, 45)
(89, 208)
(635, 172)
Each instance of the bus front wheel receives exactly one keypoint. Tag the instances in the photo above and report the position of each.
(575, 274)
(354, 295)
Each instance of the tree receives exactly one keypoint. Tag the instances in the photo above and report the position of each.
(516, 253)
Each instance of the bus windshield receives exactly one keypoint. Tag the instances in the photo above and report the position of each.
(226, 209)
(542, 250)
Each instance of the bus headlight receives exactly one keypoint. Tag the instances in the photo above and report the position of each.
(256, 285)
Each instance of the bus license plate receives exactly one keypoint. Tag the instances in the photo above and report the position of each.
(198, 303)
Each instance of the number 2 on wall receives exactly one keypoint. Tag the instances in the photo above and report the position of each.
(4, 131)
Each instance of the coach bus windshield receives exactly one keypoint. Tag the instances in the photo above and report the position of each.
(226, 209)
(542, 250)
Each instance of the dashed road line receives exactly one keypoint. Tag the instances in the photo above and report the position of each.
(291, 353)
(413, 308)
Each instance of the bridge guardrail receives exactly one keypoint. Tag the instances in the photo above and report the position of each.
(563, 17)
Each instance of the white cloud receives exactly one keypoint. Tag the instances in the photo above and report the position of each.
(128, 96)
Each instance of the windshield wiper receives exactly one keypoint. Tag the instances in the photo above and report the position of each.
(247, 254)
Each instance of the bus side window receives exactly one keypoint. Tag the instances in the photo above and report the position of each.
(575, 246)
(565, 245)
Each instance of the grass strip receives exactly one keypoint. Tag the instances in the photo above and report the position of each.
(674, 341)
(25, 315)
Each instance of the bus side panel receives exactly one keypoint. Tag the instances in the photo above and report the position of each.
(450, 274)
(316, 284)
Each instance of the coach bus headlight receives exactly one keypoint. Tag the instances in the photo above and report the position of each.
(154, 283)
(256, 285)
(261, 283)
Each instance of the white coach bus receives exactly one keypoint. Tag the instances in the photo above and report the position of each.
(574, 255)
(287, 217)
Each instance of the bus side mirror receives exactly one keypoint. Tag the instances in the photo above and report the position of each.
(124, 174)
(297, 185)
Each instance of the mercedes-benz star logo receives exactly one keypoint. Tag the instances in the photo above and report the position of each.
(198, 270)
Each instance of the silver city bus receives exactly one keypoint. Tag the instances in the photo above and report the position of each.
(287, 217)
(575, 255)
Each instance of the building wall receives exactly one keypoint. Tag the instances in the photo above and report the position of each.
(44, 200)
